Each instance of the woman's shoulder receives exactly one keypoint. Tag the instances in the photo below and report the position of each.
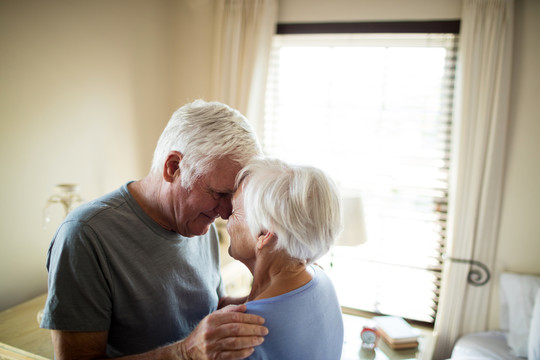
(319, 284)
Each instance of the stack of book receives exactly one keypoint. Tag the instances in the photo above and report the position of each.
(396, 332)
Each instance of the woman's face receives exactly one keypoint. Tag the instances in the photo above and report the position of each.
(243, 244)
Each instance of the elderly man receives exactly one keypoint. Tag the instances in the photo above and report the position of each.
(135, 273)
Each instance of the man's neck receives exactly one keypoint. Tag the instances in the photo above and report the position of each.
(147, 193)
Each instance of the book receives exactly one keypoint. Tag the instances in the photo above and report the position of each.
(396, 332)
(400, 346)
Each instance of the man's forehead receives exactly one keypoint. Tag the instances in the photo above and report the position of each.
(222, 176)
(220, 184)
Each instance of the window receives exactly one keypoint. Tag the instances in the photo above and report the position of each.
(374, 111)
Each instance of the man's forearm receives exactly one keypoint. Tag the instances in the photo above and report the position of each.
(175, 351)
(70, 345)
(229, 332)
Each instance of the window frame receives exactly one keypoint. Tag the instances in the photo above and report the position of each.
(381, 27)
(409, 27)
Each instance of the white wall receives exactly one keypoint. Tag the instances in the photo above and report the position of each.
(84, 93)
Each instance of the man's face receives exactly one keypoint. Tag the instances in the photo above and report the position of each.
(209, 197)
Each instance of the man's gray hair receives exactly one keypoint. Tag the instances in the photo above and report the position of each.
(301, 205)
(204, 132)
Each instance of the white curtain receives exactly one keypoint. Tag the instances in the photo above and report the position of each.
(482, 98)
(244, 30)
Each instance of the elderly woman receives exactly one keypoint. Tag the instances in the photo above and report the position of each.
(284, 218)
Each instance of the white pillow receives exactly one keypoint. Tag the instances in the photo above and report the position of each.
(518, 294)
(534, 333)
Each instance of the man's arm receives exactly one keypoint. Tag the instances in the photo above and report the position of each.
(79, 345)
(226, 334)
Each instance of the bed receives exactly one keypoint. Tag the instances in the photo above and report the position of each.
(519, 337)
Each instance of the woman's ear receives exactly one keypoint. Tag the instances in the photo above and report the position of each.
(171, 168)
(265, 238)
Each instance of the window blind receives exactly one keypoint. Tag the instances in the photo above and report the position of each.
(375, 112)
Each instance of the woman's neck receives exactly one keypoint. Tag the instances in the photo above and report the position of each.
(276, 275)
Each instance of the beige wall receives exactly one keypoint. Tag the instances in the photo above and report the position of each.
(367, 10)
(519, 232)
(519, 238)
(85, 90)
(194, 29)
(87, 86)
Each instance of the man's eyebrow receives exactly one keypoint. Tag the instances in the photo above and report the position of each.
(223, 190)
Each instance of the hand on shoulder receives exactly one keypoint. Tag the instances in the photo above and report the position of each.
(227, 333)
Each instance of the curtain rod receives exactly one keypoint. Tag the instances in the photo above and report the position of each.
(439, 27)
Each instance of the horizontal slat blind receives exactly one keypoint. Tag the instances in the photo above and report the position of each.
(375, 112)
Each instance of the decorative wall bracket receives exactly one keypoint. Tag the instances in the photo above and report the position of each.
(479, 273)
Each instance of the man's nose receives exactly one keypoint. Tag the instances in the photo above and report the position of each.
(224, 208)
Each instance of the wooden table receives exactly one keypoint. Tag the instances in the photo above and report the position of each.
(21, 337)
(20, 334)
(352, 344)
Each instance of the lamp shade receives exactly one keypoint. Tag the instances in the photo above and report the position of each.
(354, 225)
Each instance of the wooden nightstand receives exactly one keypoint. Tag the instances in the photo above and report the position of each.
(20, 334)
(352, 344)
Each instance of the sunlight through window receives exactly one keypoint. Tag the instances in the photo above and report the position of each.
(375, 113)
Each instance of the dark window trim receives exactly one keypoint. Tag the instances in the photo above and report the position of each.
(400, 27)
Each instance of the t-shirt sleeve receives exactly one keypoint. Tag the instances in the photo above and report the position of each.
(80, 287)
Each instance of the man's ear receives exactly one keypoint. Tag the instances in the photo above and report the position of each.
(265, 238)
(171, 168)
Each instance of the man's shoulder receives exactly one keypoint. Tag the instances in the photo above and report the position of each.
(90, 218)
(94, 208)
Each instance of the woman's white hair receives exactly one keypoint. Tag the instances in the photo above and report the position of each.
(301, 205)
(204, 132)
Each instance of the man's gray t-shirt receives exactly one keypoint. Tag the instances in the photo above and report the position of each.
(111, 267)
